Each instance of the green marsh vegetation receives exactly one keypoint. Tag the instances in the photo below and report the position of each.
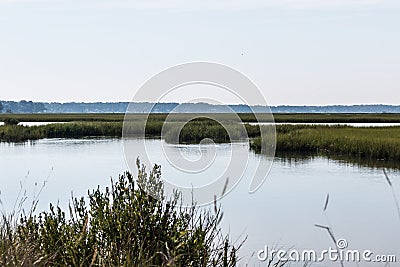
(365, 143)
(20, 133)
(195, 131)
(192, 132)
(337, 118)
(245, 117)
(81, 129)
(118, 226)
(11, 121)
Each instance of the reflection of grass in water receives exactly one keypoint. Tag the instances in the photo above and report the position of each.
(119, 226)
(360, 144)
(303, 158)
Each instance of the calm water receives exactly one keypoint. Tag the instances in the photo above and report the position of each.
(34, 123)
(282, 213)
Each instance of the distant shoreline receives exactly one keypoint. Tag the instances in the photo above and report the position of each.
(245, 117)
(121, 107)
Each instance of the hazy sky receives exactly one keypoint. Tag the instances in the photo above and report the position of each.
(299, 52)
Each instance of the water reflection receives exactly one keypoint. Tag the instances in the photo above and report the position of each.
(282, 213)
(304, 158)
(35, 123)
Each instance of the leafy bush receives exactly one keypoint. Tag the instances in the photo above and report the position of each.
(119, 226)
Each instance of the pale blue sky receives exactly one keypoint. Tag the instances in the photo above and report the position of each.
(300, 52)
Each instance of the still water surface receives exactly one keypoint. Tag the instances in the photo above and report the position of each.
(35, 123)
(282, 213)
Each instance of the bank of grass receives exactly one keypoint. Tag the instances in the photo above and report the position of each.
(337, 118)
(19, 133)
(195, 131)
(118, 226)
(65, 117)
(379, 143)
(245, 117)
(192, 132)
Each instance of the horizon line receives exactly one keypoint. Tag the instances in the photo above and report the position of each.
(227, 104)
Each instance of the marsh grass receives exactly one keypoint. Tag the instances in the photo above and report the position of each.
(20, 133)
(194, 132)
(79, 129)
(337, 118)
(368, 143)
(358, 143)
(11, 121)
(245, 117)
(118, 226)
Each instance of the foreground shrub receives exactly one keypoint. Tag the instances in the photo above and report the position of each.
(120, 226)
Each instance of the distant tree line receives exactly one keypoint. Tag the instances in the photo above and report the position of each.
(22, 107)
(121, 107)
